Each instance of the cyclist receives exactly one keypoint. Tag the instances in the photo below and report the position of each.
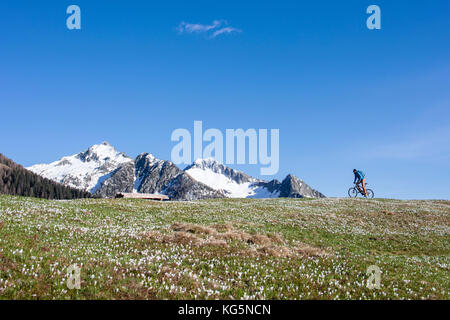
(359, 179)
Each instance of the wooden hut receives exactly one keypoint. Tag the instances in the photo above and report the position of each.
(148, 196)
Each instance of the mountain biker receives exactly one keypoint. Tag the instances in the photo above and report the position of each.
(359, 179)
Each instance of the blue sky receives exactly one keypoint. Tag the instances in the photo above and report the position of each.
(342, 96)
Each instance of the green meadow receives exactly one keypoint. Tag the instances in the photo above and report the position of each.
(224, 249)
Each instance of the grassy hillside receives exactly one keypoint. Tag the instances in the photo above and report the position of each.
(277, 248)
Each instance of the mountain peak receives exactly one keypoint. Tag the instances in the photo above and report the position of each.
(143, 162)
(207, 163)
(291, 177)
(101, 152)
(294, 187)
(146, 155)
(206, 160)
(83, 170)
(102, 146)
(213, 165)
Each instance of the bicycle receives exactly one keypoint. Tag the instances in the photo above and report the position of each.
(353, 192)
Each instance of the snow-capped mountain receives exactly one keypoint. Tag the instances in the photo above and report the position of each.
(104, 171)
(84, 170)
(147, 174)
(232, 183)
(236, 184)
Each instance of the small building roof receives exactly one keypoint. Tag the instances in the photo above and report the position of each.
(149, 196)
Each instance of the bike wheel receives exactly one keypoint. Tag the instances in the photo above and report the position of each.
(370, 193)
(352, 192)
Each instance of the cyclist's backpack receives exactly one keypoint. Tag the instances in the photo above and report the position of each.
(361, 174)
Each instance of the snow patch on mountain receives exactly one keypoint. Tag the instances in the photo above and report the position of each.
(260, 192)
(137, 183)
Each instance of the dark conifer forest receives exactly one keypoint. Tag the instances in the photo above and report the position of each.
(16, 180)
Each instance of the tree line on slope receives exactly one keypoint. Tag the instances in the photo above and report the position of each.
(16, 180)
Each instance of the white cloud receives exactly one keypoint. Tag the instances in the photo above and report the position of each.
(219, 27)
(225, 30)
(197, 28)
